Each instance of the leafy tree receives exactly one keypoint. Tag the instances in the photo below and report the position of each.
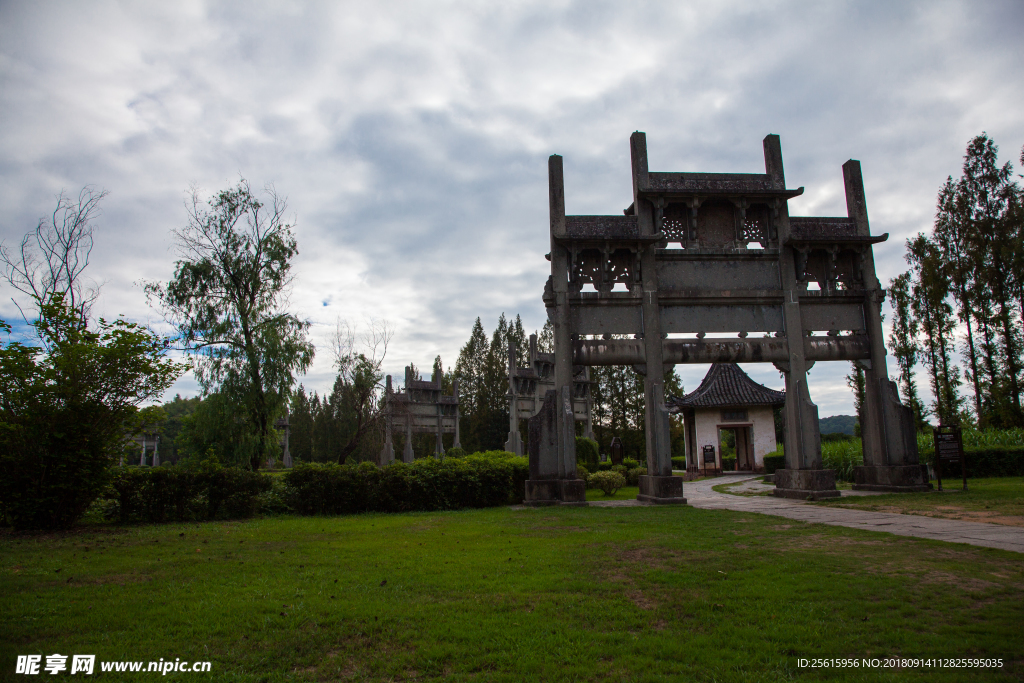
(227, 299)
(357, 395)
(63, 410)
(218, 427)
(66, 404)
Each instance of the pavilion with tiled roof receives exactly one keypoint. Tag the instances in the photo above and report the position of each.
(727, 399)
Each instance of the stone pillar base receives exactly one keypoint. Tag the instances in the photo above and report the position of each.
(555, 492)
(894, 478)
(805, 484)
(654, 489)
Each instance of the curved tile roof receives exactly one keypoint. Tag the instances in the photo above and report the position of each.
(726, 385)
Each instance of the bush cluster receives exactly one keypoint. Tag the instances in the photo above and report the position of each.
(679, 463)
(608, 481)
(473, 481)
(774, 462)
(728, 464)
(161, 494)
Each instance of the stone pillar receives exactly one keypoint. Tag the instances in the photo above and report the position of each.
(407, 452)
(888, 433)
(803, 476)
(439, 443)
(659, 485)
(566, 457)
(455, 392)
(156, 451)
(514, 443)
(142, 458)
(547, 440)
(387, 454)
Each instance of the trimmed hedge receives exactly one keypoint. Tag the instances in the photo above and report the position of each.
(473, 481)
(728, 464)
(774, 462)
(985, 462)
(161, 494)
(679, 463)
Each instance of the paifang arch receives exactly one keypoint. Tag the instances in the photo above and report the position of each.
(679, 261)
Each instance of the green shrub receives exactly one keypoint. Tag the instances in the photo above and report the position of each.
(209, 491)
(985, 462)
(679, 463)
(474, 481)
(609, 482)
(587, 452)
(728, 464)
(455, 453)
(774, 461)
(633, 476)
(582, 473)
(630, 463)
(605, 466)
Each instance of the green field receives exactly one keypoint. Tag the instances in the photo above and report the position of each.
(617, 594)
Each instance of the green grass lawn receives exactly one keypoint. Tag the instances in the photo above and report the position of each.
(645, 593)
(997, 500)
(625, 493)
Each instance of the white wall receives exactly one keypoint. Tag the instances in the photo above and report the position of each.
(706, 424)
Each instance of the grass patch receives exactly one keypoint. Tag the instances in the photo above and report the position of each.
(998, 500)
(625, 493)
(644, 593)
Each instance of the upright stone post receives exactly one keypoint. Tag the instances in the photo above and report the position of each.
(156, 451)
(407, 452)
(658, 485)
(455, 392)
(888, 434)
(387, 454)
(439, 443)
(142, 458)
(803, 476)
(514, 443)
(549, 447)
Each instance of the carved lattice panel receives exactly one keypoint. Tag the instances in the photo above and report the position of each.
(846, 271)
(754, 227)
(588, 269)
(675, 224)
(622, 268)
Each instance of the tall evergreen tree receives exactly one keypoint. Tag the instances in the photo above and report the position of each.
(904, 345)
(930, 289)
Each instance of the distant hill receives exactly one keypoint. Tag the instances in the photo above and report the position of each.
(842, 424)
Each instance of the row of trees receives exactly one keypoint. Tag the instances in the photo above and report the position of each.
(964, 292)
(69, 402)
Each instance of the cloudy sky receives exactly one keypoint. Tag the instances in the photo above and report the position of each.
(411, 138)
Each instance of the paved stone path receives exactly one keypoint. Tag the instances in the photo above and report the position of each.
(700, 495)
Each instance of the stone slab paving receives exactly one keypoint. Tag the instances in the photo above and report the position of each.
(699, 494)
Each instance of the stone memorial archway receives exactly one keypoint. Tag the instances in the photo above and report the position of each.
(681, 254)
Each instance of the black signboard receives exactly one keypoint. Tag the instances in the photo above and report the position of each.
(949, 451)
(709, 455)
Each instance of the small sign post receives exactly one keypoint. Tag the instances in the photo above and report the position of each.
(709, 457)
(949, 449)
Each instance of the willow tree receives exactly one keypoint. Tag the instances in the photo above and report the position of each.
(228, 300)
